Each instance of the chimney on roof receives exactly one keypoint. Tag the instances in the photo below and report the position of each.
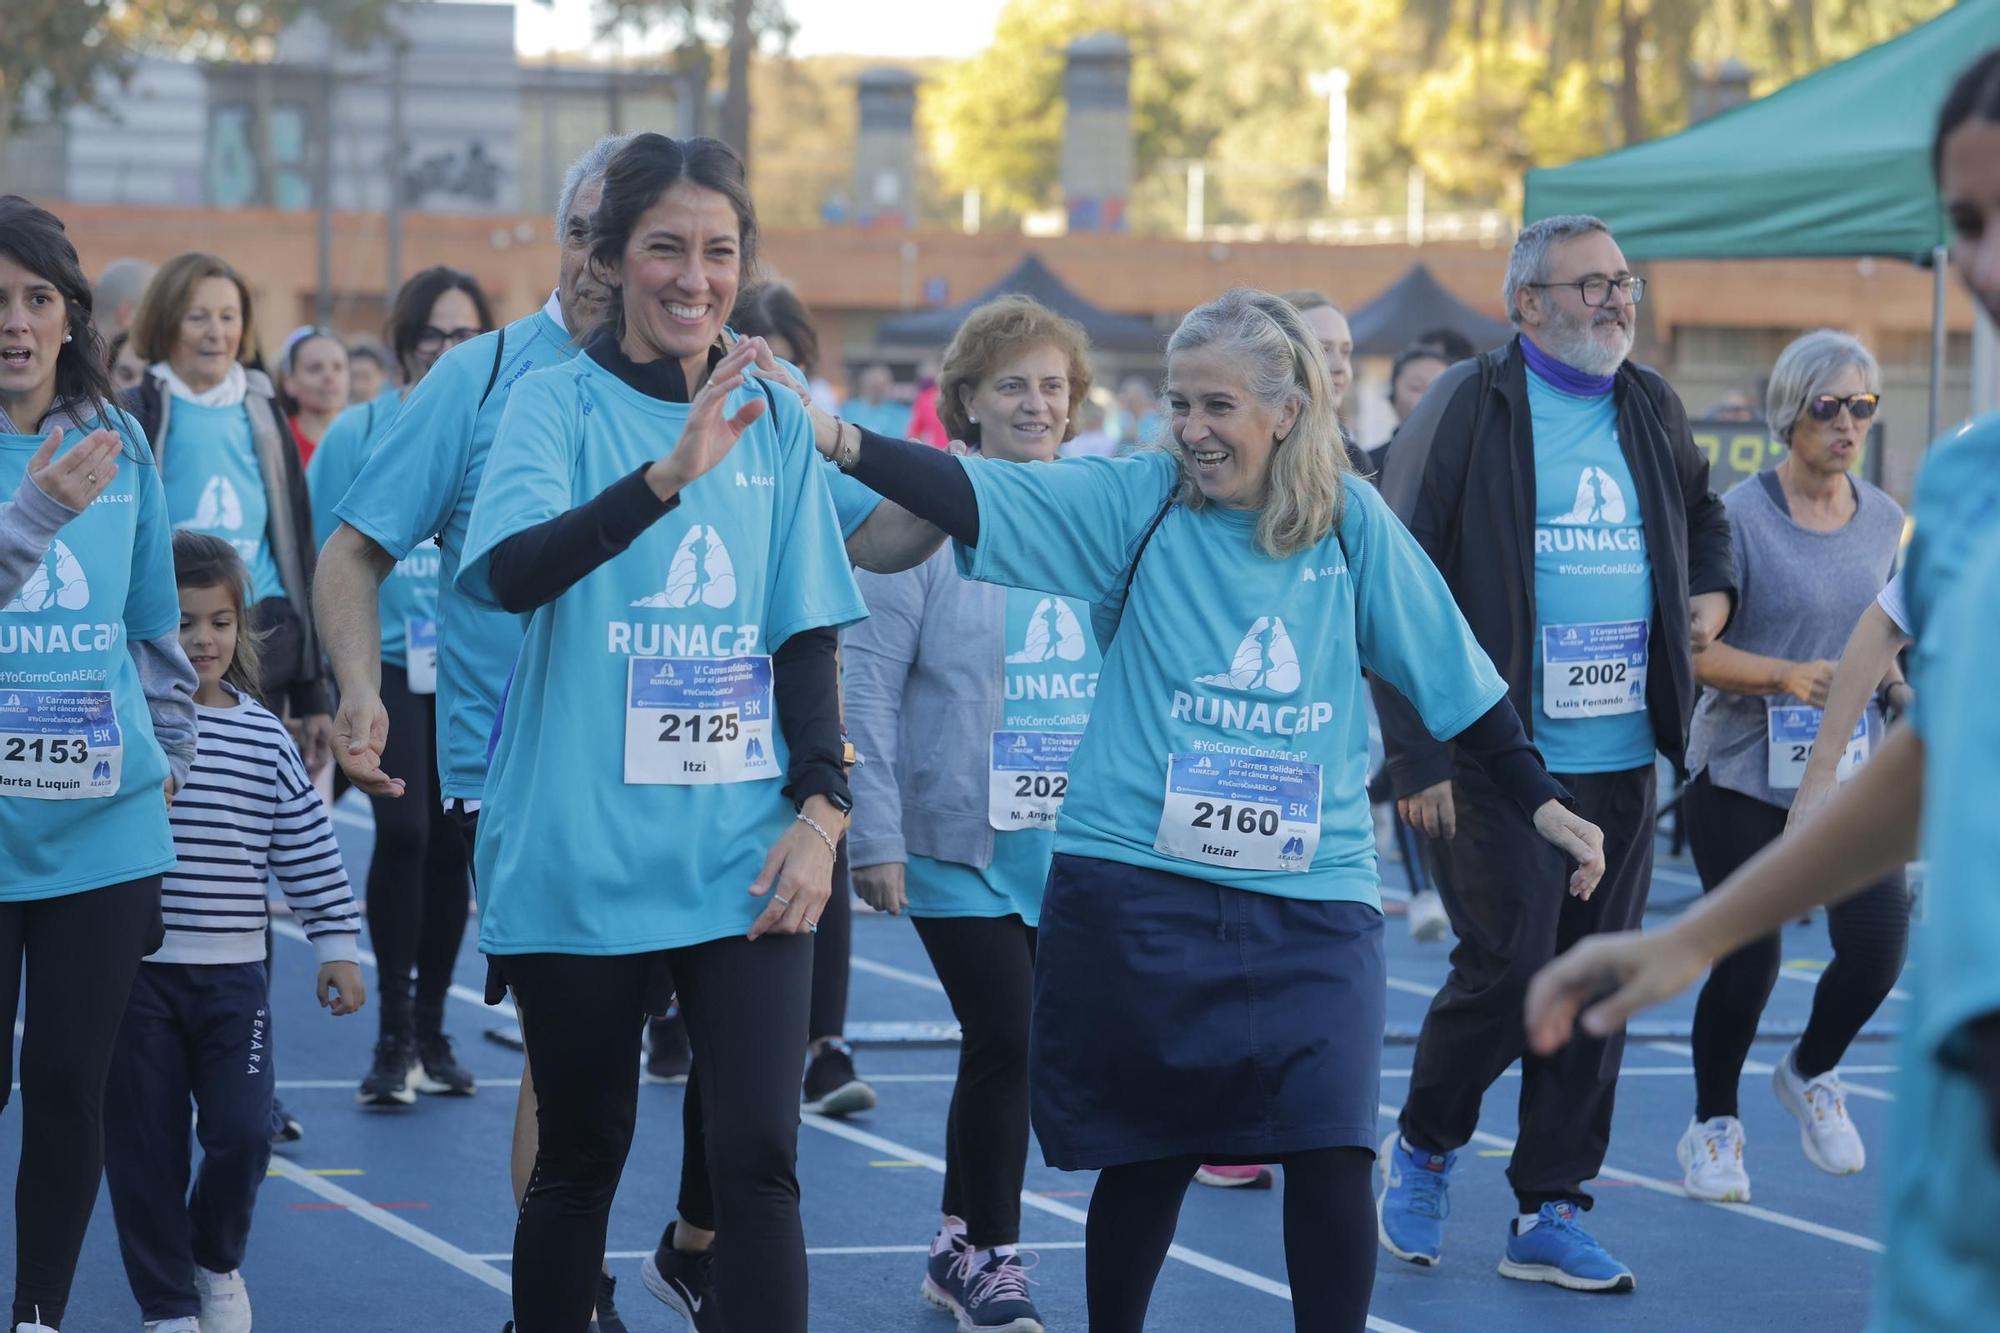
(1718, 89)
(885, 149)
(1097, 132)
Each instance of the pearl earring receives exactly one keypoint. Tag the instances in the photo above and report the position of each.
(973, 419)
(68, 336)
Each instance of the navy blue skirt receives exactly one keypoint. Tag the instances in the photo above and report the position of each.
(1176, 1017)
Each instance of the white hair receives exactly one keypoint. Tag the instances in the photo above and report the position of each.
(1529, 263)
(1804, 370)
(589, 167)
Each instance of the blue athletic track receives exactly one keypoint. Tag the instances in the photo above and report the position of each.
(400, 1220)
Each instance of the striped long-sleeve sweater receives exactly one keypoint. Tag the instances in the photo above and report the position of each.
(249, 814)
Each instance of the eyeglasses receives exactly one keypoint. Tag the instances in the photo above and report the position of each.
(432, 337)
(1826, 406)
(1596, 289)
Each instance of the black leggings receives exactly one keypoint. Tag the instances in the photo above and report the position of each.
(745, 1002)
(418, 886)
(987, 965)
(1329, 1238)
(831, 946)
(82, 952)
(1869, 932)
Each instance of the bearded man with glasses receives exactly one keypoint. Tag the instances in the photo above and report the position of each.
(1559, 491)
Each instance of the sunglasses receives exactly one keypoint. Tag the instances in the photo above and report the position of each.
(1826, 406)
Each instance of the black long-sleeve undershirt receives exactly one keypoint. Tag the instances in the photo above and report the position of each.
(932, 484)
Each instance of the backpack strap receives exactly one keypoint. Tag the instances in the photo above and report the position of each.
(493, 376)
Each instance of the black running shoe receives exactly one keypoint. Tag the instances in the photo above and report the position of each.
(832, 1088)
(685, 1282)
(438, 1071)
(668, 1057)
(606, 1319)
(388, 1081)
(945, 1271)
(285, 1127)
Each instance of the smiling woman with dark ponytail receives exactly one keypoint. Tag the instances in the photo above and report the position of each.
(89, 764)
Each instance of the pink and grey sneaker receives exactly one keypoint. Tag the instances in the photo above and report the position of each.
(1235, 1177)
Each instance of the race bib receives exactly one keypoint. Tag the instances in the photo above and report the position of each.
(59, 745)
(1029, 777)
(696, 720)
(1247, 812)
(1790, 729)
(1596, 670)
(420, 649)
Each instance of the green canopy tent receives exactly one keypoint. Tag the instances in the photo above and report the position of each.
(1836, 164)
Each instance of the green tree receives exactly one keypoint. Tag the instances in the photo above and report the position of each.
(55, 54)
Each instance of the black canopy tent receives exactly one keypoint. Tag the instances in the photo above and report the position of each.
(1414, 305)
(1031, 277)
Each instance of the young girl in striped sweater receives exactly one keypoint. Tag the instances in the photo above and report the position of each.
(197, 1030)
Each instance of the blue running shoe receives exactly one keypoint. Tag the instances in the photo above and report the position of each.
(1415, 1200)
(1557, 1249)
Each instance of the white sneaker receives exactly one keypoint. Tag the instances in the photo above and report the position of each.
(225, 1302)
(1711, 1155)
(1831, 1142)
(1428, 923)
(33, 1328)
(184, 1324)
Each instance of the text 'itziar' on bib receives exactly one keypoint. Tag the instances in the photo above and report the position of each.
(59, 745)
(691, 721)
(1249, 812)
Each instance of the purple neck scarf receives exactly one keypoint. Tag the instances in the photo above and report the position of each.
(1562, 376)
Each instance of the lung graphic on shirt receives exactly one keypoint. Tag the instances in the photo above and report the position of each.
(701, 573)
(1053, 635)
(58, 581)
(220, 508)
(1599, 499)
(1265, 660)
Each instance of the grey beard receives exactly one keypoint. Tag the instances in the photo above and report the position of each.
(1573, 345)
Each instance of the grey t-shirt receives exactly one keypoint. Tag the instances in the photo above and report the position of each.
(1799, 595)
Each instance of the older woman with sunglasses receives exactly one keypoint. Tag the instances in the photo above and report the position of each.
(1814, 545)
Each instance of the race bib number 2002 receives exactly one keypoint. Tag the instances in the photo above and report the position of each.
(691, 721)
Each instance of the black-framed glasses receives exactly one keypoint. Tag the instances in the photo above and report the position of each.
(431, 337)
(1826, 406)
(1596, 289)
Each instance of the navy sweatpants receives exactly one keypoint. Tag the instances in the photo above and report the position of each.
(194, 1036)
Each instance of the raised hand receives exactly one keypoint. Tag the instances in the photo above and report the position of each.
(709, 435)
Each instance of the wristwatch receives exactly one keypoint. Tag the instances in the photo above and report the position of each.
(841, 801)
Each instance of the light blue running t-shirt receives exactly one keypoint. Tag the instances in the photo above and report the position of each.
(1229, 738)
(637, 784)
(1593, 589)
(409, 599)
(82, 798)
(214, 485)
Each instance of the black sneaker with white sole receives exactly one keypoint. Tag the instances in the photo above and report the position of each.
(996, 1299)
(832, 1088)
(388, 1080)
(438, 1071)
(668, 1056)
(285, 1127)
(684, 1281)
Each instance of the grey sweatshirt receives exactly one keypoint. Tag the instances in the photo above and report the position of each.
(28, 523)
(1799, 595)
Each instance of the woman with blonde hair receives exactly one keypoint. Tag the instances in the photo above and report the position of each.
(1209, 980)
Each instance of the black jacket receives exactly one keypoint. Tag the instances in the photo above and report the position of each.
(1462, 476)
(293, 681)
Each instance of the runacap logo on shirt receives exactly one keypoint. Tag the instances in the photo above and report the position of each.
(1053, 635)
(701, 573)
(58, 581)
(1265, 660)
(1599, 499)
(220, 509)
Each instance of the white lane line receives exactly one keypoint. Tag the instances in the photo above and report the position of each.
(469, 1264)
(353, 819)
(466, 993)
(1810, 977)
(1193, 1258)
(814, 1250)
(1414, 988)
(1759, 1067)
(876, 969)
(1674, 1191)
